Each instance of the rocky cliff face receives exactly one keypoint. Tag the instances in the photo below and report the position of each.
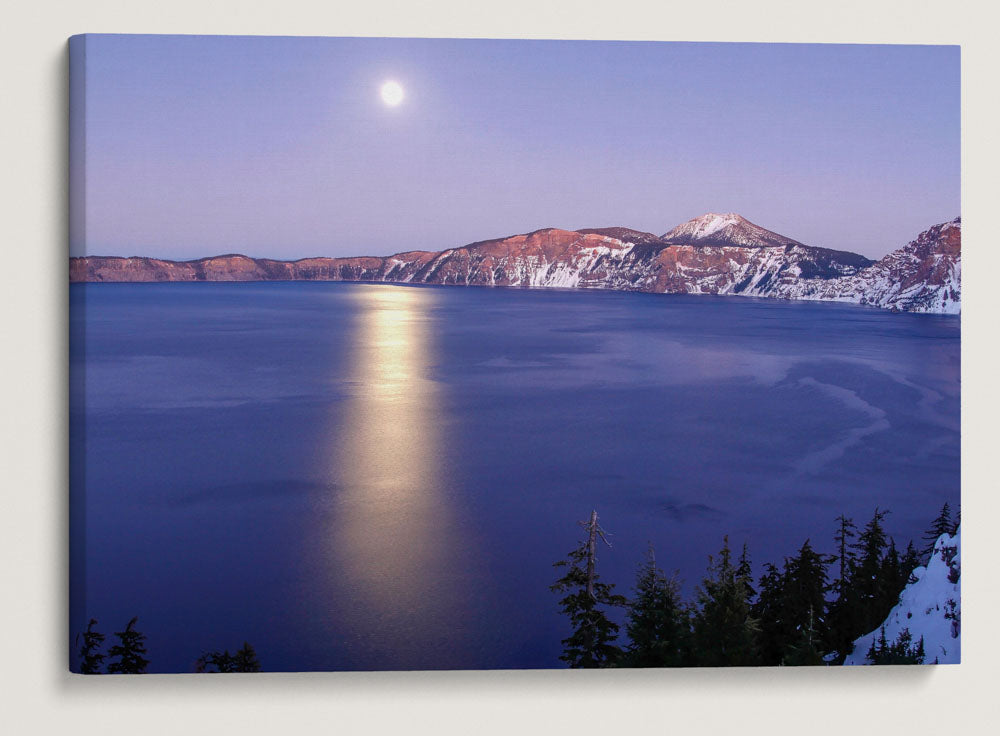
(243, 268)
(923, 276)
(712, 254)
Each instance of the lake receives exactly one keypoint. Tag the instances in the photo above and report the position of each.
(361, 476)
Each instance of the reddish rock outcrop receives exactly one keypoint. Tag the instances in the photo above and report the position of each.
(712, 254)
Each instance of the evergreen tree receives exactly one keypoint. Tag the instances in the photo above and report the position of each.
(769, 611)
(892, 573)
(90, 656)
(791, 606)
(592, 642)
(804, 651)
(246, 660)
(658, 626)
(216, 662)
(723, 630)
(943, 524)
(901, 651)
(745, 572)
(909, 563)
(842, 616)
(129, 651)
(846, 531)
(869, 584)
(805, 587)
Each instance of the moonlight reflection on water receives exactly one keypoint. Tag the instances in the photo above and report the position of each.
(394, 527)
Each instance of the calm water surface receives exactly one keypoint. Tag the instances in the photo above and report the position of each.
(355, 476)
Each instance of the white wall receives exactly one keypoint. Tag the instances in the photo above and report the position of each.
(38, 695)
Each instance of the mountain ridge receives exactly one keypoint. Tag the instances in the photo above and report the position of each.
(710, 254)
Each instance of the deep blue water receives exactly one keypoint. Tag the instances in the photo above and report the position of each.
(355, 476)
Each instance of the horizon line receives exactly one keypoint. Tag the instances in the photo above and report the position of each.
(583, 230)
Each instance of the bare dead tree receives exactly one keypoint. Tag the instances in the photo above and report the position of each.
(593, 532)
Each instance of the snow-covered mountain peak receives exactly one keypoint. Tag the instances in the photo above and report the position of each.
(725, 229)
(712, 222)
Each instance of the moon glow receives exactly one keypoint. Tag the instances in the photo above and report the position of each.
(392, 93)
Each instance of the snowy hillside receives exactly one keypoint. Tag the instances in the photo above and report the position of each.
(930, 607)
(711, 254)
(725, 229)
(923, 276)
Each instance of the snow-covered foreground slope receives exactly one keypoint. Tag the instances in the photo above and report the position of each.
(930, 607)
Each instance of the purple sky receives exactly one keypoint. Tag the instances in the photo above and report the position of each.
(282, 147)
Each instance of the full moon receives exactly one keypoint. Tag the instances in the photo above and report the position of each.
(392, 93)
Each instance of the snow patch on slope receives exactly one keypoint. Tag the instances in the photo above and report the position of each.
(712, 223)
(930, 607)
(913, 278)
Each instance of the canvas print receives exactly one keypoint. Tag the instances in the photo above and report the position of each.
(413, 354)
